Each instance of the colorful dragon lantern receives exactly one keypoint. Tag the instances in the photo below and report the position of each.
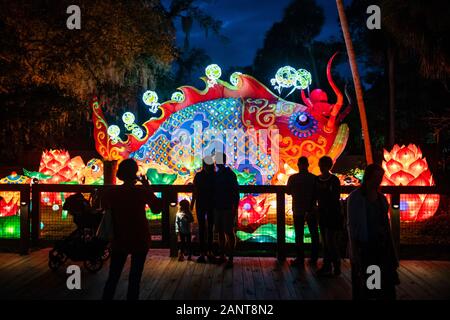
(260, 132)
(404, 166)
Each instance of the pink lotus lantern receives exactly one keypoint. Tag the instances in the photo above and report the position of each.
(404, 166)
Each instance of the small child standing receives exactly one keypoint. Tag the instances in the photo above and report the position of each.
(183, 222)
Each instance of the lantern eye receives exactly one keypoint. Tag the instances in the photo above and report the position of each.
(95, 168)
(302, 119)
(302, 124)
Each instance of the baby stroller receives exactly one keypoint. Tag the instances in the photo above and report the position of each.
(81, 244)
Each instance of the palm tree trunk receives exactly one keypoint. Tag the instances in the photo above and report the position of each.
(391, 74)
(356, 80)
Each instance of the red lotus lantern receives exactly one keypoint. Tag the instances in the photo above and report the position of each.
(57, 163)
(404, 166)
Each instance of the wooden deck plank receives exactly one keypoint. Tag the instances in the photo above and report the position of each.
(28, 277)
(292, 280)
(423, 275)
(193, 288)
(185, 285)
(206, 283)
(33, 266)
(227, 284)
(174, 280)
(216, 282)
(258, 279)
(247, 279)
(271, 292)
(238, 280)
(307, 286)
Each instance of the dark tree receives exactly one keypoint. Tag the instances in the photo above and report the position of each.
(119, 51)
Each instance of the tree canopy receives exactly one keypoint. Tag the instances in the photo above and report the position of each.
(122, 47)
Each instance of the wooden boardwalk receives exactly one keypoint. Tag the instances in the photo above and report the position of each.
(254, 278)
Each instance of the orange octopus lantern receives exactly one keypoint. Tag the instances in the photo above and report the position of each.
(404, 166)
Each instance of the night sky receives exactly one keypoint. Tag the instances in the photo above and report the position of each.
(245, 23)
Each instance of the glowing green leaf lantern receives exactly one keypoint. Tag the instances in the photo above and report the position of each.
(156, 177)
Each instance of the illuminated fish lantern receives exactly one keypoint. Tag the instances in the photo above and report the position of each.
(197, 123)
(92, 173)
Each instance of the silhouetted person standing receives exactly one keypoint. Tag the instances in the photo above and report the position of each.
(203, 199)
(183, 222)
(130, 228)
(330, 217)
(370, 237)
(302, 186)
(226, 201)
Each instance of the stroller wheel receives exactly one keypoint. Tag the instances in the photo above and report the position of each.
(106, 254)
(94, 265)
(54, 260)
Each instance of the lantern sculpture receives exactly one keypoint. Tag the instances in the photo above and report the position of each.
(404, 166)
(57, 164)
(9, 203)
(252, 212)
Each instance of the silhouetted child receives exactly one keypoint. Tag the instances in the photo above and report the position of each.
(183, 222)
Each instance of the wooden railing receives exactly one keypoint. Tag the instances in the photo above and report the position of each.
(169, 195)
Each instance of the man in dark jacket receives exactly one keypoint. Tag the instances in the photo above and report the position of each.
(226, 201)
(302, 187)
(202, 198)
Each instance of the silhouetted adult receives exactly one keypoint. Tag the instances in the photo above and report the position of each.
(370, 237)
(226, 201)
(330, 217)
(302, 186)
(130, 228)
(203, 199)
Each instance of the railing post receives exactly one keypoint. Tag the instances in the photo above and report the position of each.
(165, 222)
(168, 223)
(35, 215)
(109, 171)
(395, 220)
(24, 221)
(173, 235)
(281, 226)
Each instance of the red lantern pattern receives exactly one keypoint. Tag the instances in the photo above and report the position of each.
(404, 166)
